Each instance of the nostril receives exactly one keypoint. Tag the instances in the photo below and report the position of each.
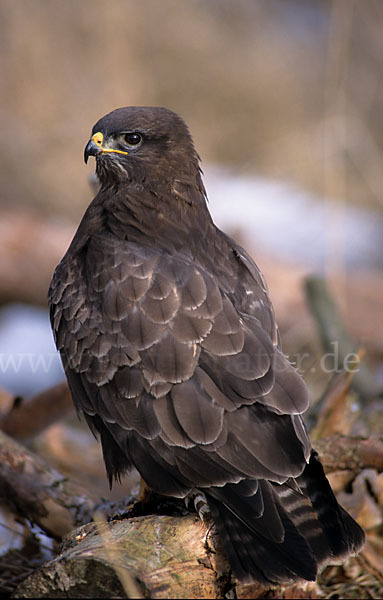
(98, 138)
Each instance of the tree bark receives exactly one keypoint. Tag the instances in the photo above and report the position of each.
(153, 556)
(344, 453)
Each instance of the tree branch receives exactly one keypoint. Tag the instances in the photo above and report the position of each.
(345, 453)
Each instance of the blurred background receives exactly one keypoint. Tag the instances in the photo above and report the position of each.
(284, 99)
(288, 89)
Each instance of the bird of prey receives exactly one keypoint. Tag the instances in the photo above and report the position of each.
(171, 350)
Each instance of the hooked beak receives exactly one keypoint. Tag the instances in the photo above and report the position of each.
(95, 147)
(91, 149)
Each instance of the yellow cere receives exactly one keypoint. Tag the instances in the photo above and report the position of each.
(98, 139)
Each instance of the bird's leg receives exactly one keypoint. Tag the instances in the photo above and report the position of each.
(145, 492)
(150, 502)
(203, 511)
(143, 498)
(200, 504)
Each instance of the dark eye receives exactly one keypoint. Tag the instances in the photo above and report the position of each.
(132, 139)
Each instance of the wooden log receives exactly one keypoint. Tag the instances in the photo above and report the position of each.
(161, 557)
(153, 556)
(38, 492)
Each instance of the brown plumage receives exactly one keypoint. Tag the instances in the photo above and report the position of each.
(171, 350)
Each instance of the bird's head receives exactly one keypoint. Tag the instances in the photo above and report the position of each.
(136, 144)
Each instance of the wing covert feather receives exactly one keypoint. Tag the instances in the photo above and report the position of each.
(174, 360)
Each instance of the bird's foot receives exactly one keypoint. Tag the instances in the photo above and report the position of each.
(148, 502)
(201, 505)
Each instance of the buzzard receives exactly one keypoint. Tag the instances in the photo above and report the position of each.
(171, 350)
